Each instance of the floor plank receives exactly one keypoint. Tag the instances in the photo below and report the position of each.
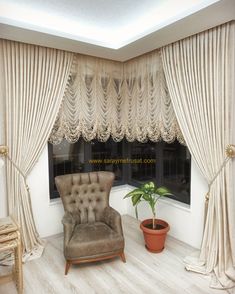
(162, 273)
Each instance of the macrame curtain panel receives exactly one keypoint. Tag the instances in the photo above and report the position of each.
(113, 99)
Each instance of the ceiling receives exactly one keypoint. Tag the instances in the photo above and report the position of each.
(117, 30)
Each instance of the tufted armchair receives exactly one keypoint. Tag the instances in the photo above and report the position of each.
(92, 229)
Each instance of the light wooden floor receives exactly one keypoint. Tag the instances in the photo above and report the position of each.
(144, 272)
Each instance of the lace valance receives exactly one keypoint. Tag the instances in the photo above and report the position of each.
(107, 98)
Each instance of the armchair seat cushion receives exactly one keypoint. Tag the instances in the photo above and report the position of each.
(93, 239)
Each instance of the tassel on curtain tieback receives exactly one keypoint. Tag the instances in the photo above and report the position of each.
(230, 153)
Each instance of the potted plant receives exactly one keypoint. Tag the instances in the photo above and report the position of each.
(154, 229)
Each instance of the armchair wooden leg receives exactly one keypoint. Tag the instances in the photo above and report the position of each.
(67, 266)
(123, 258)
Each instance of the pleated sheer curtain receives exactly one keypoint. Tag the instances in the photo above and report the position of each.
(34, 80)
(113, 99)
(200, 77)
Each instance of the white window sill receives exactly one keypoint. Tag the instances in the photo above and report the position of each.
(168, 201)
(119, 188)
(55, 201)
(177, 204)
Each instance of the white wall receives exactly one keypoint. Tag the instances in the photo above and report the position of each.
(185, 222)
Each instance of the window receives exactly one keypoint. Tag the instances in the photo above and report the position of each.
(103, 156)
(133, 163)
(176, 170)
(64, 159)
(167, 164)
(145, 169)
(82, 156)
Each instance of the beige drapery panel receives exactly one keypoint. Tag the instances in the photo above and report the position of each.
(34, 80)
(106, 98)
(200, 76)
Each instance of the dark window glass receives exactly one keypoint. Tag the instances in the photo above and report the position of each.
(166, 164)
(143, 162)
(67, 159)
(176, 170)
(132, 162)
(106, 156)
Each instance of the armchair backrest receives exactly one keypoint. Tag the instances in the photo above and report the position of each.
(85, 195)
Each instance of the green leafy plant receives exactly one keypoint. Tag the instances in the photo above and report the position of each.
(150, 193)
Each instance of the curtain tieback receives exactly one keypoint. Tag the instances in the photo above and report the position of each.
(4, 152)
(230, 153)
(19, 170)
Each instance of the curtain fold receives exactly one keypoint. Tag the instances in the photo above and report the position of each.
(200, 76)
(34, 80)
(107, 98)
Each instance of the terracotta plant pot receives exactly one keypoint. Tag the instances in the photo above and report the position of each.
(154, 239)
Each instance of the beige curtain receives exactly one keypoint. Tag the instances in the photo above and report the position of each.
(107, 98)
(200, 76)
(34, 82)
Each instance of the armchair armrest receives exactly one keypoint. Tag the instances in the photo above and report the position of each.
(113, 219)
(69, 224)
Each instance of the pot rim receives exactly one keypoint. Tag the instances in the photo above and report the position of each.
(155, 232)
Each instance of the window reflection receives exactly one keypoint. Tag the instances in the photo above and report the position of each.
(145, 171)
(104, 154)
(176, 170)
